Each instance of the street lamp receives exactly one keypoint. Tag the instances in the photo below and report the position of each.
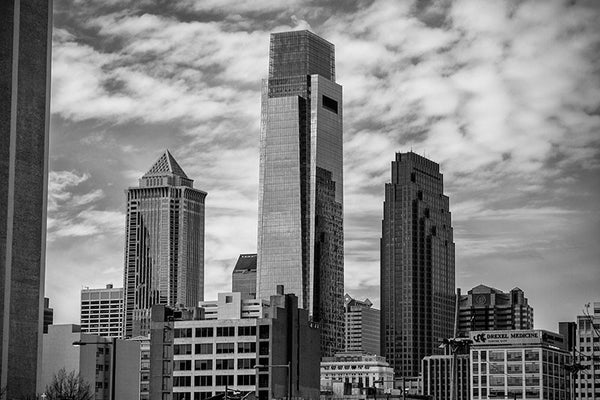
(289, 375)
(113, 361)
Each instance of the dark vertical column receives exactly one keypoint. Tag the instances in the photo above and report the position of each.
(25, 34)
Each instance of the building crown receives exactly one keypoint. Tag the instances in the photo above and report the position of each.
(165, 172)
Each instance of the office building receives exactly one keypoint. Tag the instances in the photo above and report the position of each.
(360, 370)
(243, 277)
(300, 233)
(93, 361)
(519, 364)
(437, 377)
(587, 383)
(361, 330)
(195, 358)
(48, 314)
(486, 308)
(164, 244)
(102, 311)
(25, 46)
(417, 265)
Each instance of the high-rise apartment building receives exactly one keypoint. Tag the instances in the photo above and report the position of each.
(486, 308)
(25, 46)
(361, 330)
(587, 382)
(243, 277)
(300, 233)
(417, 264)
(102, 311)
(164, 244)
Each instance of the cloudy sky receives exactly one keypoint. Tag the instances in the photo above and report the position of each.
(505, 95)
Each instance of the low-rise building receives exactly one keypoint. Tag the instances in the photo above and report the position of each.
(196, 354)
(437, 377)
(360, 370)
(92, 360)
(519, 364)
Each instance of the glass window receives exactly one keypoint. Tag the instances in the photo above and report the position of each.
(179, 349)
(203, 380)
(204, 332)
(246, 330)
(203, 365)
(204, 348)
(182, 333)
(226, 331)
(224, 364)
(225, 348)
(246, 347)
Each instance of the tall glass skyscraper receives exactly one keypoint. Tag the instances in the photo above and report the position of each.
(164, 244)
(300, 232)
(417, 265)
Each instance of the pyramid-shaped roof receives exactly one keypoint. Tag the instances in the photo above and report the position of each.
(166, 165)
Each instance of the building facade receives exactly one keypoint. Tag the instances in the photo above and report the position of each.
(92, 361)
(164, 244)
(48, 314)
(587, 383)
(102, 311)
(437, 377)
(25, 46)
(361, 330)
(486, 308)
(417, 265)
(243, 277)
(519, 364)
(300, 225)
(199, 357)
(357, 369)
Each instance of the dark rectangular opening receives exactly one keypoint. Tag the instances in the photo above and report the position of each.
(330, 104)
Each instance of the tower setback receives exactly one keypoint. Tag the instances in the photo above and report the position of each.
(300, 225)
(417, 264)
(164, 244)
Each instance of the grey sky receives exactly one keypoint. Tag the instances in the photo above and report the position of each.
(505, 95)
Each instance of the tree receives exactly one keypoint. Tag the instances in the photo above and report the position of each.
(69, 386)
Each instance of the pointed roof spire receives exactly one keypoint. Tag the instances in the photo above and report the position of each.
(166, 165)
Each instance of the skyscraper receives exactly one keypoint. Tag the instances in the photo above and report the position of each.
(243, 277)
(486, 308)
(164, 244)
(300, 233)
(361, 331)
(417, 264)
(25, 45)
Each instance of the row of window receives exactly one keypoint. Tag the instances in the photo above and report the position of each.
(220, 380)
(221, 331)
(221, 348)
(219, 364)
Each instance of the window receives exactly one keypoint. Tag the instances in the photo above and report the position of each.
(246, 330)
(246, 379)
(204, 332)
(222, 380)
(203, 380)
(179, 349)
(228, 299)
(182, 396)
(182, 333)
(202, 395)
(204, 348)
(224, 364)
(226, 331)
(246, 363)
(225, 348)
(247, 347)
(182, 381)
(264, 348)
(264, 331)
(203, 365)
(182, 365)
(330, 104)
